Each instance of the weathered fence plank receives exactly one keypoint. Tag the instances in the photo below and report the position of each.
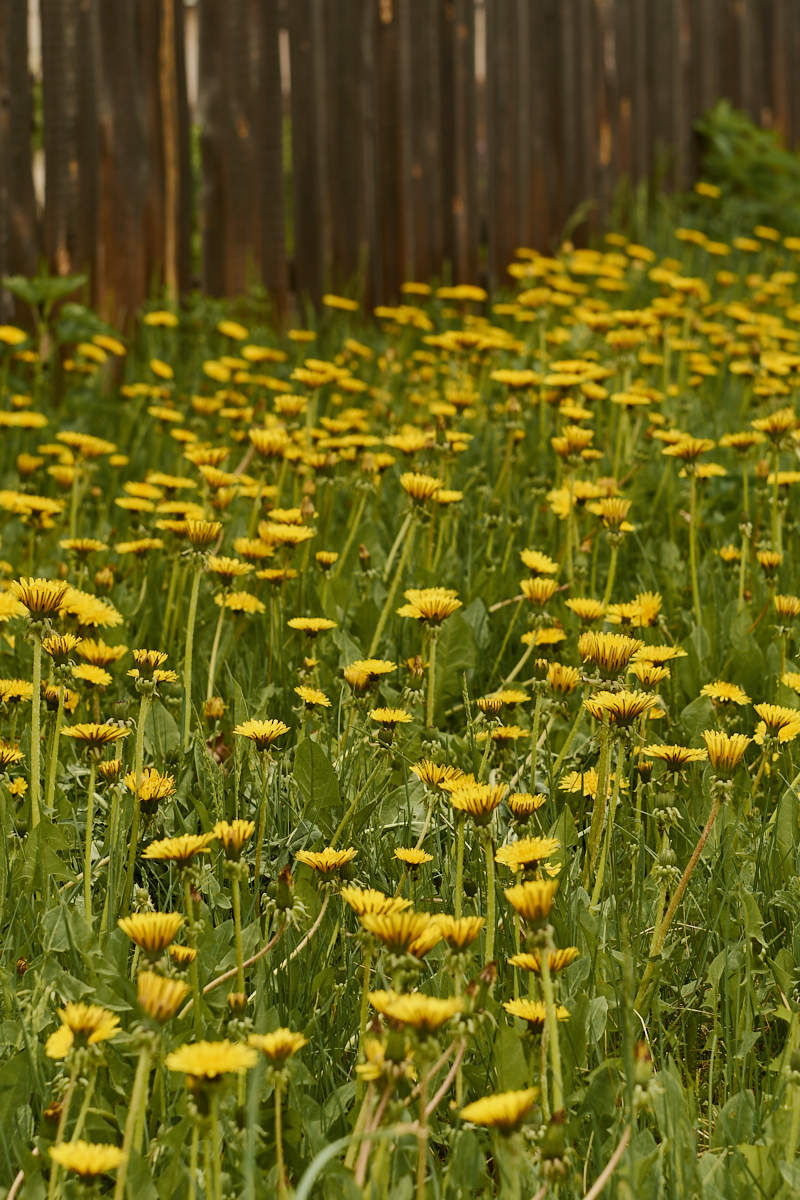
(402, 165)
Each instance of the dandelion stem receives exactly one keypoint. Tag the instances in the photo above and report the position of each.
(422, 1139)
(262, 820)
(138, 762)
(407, 531)
(663, 930)
(36, 702)
(743, 560)
(362, 1021)
(282, 1190)
(355, 521)
(192, 940)
(237, 933)
(135, 1108)
(777, 539)
(431, 702)
(212, 663)
(537, 715)
(459, 888)
(87, 865)
(187, 658)
(612, 570)
(216, 1155)
(351, 810)
(62, 1124)
(601, 869)
(599, 806)
(488, 846)
(52, 766)
(552, 1032)
(562, 754)
(693, 548)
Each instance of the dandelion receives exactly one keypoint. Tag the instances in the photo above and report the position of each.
(504, 1111)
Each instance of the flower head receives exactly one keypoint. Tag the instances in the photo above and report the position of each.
(41, 597)
(676, 757)
(429, 605)
(533, 900)
(262, 733)
(460, 932)
(370, 900)
(180, 850)
(528, 853)
(478, 800)
(725, 750)
(328, 860)
(233, 836)
(426, 1014)
(406, 932)
(621, 708)
(504, 1111)
(87, 1159)
(420, 487)
(95, 737)
(151, 931)
(210, 1061)
(278, 1045)
(81, 1025)
(533, 1012)
(160, 998)
(609, 652)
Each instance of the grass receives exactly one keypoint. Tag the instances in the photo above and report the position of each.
(235, 479)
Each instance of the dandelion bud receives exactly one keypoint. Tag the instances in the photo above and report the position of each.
(214, 708)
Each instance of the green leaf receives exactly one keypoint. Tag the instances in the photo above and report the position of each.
(317, 781)
(736, 1121)
(161, 735)
(509, 1058)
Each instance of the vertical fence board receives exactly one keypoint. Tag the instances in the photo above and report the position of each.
(505, 121)
(268, 132)
(311, 212)
(391, 251)
(545, 166)
(386, 113)
(126, 164)
(425, 184)
(185, 205)
(459, 137)
(18, 225)
(230, 210)
(568, 109)
(606, 102)
(779, 70)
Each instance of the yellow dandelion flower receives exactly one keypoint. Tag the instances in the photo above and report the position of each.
(426, 1014)
(180, 850)
(209, 1061)
(725, 750)
(328, 860)
(87, 1159)
(158, 997)
(430, 605)
(528, 853)
(460, 932)
(152, 932)
(262, 733)
(233, 836)
(533, 900)
(557, 960)
(370, 900)
(504, 1111)
(534, 1013)
(278, 1045)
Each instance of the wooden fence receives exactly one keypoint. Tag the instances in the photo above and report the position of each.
(393, 152)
